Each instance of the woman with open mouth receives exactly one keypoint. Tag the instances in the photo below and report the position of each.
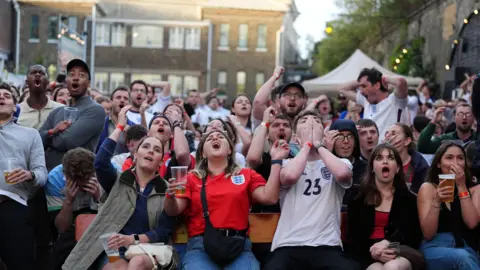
(241, 119)
(132, 211)
(61, 94)
(449, 211)
(228, 196)
(415, 166)
(382, 219)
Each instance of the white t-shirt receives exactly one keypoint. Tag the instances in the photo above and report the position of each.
(412, 107)
(385, 113)
(160, 105)
(310, 209)
(136, 118)
(204, 115)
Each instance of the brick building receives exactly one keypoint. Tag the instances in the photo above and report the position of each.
(194, 44)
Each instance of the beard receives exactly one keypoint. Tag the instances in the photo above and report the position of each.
(464, 129)
(290, 111)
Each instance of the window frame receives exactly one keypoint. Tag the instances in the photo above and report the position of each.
(237, 88)
(179, 32)
(240, 46)
(226, 46)
(219, 84)
(36, 29)
(193, 39)
(264, 48)
(50, 22)
(160, 30)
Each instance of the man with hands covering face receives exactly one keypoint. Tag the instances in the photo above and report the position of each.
(312, 188)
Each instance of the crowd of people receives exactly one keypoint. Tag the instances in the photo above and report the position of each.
(399, 167)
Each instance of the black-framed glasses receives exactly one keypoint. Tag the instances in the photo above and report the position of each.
(342, 137)
(295, 95)
(461, 114)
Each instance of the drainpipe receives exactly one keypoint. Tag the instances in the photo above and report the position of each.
(93, 40)
(16, 6)
(209, 57)
(85, 38)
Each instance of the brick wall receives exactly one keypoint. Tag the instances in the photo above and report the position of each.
(7, 26)
(42, 52)
(251, 61)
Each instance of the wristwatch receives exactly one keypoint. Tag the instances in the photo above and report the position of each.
(33, 176)
(137, 239)
(319, 145)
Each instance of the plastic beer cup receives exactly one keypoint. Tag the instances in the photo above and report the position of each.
(447, 180)
(180, 175)
(8, 165)
(113, 254)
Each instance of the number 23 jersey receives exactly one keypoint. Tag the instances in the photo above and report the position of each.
(310, 209)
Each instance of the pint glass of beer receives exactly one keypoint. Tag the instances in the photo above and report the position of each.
(113, 254)
(8, 165)
(180, 175)
(447, 180)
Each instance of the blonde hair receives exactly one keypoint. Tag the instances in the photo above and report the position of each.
(201, 167)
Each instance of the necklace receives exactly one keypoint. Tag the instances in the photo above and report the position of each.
(142, 189)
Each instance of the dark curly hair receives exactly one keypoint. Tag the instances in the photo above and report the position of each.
(78, 164)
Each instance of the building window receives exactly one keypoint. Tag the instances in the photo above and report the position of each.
(34, 27)
(101, 81)
(262, 36)
(118, 35)
(190, 82)
(243, 36)
(241, 81)
(176, 83)
(53, 27)
(259, 80)
(176, 37)
(110, 34)
(102, 34)
(222, 79)
(116, 79)
(72, 23)
(148, 78)
(147, 36)
(224, 35)
(192, 38)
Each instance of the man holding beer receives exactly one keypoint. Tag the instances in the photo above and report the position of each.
(22, 159)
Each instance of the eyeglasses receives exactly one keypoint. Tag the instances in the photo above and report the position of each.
(461, 114)
(138, 91)
(342, 137)
(296, 95)
(456, 142)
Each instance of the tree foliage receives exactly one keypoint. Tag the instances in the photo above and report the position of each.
(361, 25)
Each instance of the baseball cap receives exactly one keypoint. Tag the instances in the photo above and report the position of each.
(78, 63)
(287, 86)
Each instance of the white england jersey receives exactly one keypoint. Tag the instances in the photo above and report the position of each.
(310, 209)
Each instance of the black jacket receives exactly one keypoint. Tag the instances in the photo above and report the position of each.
(403, 224)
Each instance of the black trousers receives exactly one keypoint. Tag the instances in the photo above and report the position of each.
(310, 258)
(17, 242)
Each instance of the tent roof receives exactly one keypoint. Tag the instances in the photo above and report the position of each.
(348, 71)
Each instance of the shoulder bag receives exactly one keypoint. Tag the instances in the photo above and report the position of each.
(221, 249)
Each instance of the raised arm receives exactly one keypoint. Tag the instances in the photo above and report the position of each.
(81, 131)
(315, 102)
(349, 90)
(255, 153)
(400, 84)
(261, 98)
(291, 173)
(426, 144)
(270, 193)
(245, 137)
(182, 151)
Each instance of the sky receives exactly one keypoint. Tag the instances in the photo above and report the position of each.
(313, 16)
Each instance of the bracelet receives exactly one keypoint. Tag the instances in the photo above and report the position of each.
(309, 144)
(277, 161)
(50, 132)
(121, 127)
(464, 194)
(320, 145)
(265, 124)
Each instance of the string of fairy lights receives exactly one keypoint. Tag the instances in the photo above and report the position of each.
(65, 31)
(456, 41)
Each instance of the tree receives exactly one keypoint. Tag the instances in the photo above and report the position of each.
(361, 26)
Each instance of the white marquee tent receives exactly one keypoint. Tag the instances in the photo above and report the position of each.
(346, 72)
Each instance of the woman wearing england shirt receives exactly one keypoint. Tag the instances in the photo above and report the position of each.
(450, 229)
(384, 211)
(230, 192)
(415, 166)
